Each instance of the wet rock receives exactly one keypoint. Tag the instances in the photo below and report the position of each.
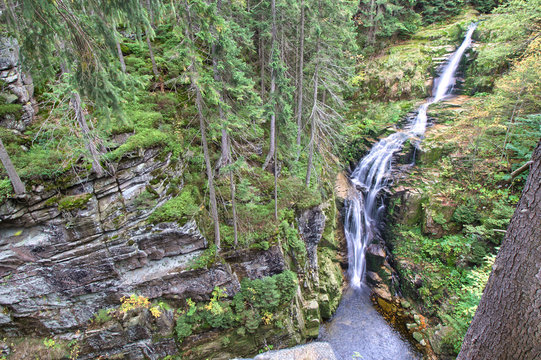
(373, 278)
(311, 226)
(255, 264)
(382, 291)
(375, 257)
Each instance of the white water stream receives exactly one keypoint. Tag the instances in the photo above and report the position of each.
(373, 172)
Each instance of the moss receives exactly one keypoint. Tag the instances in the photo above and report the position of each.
(11, 109)
(180, 208)
(68, 203)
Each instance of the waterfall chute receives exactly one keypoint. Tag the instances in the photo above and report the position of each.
(371, 174)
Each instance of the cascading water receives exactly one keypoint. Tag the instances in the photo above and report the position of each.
(373, 171)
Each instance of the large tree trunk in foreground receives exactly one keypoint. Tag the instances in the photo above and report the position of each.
(18, 185)
(507, 324)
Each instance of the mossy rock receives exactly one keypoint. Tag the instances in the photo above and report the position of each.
(73, 202)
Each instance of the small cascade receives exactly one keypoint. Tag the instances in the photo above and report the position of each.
(374, 171)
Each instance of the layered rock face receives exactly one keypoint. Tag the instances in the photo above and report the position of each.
(67, 255)
(17, 87)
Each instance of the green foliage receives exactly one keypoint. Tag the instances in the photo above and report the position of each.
(466, 305)
(466, 213)
(248, 309)
(181, 208)
(11, 109)
(6, 190)
(102, 316)
(206, 259)
(291, 240)
(437, 10)
(502, 38)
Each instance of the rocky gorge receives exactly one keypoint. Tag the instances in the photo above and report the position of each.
(67, 255)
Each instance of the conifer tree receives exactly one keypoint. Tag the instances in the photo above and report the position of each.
(330, 60)
(77, 37)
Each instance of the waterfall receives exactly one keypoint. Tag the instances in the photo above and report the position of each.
(373, 172)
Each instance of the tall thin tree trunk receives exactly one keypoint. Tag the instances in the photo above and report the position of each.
(77, 106)
(275, 186)
(262, 62)
(120, 56)
(199, 106)
(154, 65)
(224, 157)
(272, 90)
(210, 176)
(313, 116)
(18, 185)
(234, 207)
(300, 84)
(507, 323)
(371, 30)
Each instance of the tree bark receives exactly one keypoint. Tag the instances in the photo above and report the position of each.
(199, 106)
(120, 56)
(154, 65)
(272, 90)
(299, 88)
(77, 106)
(234, 207)
(262, 61)
(507, 323)
(18, 185)
(224, 157)
(313, 116)
(210, 176)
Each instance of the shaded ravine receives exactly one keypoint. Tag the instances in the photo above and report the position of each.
(357, 328)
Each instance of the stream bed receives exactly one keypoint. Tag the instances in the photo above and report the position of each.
(359, 331)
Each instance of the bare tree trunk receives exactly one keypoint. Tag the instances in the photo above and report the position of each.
(77, 106)
(18, 185)
(150, 12)
(224, 158)
(272, 90)
(120, 56)
(372, 29)
(234, 207)
(199, 105)
(154, 65)
(275, 186)
(210, 176)
(313, 116)
(300, 85)
(507, 323)
(262, 62)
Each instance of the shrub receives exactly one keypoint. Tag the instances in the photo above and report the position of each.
(255, 303)
(466, 213)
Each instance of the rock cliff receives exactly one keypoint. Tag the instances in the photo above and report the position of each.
(70, 254)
